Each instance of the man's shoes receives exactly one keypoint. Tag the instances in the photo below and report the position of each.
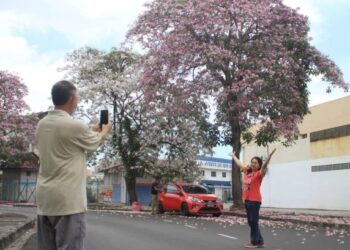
(250, 245)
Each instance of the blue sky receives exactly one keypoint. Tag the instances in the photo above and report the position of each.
(36, 35)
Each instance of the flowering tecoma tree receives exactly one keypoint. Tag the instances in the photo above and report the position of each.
(252, 57)
(16, 124)
(145, 140)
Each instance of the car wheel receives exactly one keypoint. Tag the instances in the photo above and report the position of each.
(216, 215)
(160, 208)
(184, 209)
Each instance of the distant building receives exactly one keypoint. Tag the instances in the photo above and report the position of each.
(19, 180)
(216, 175)
(19, 176)
(114, 188)
(314, 172)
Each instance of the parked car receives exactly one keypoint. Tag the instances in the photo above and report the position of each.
(188, 199)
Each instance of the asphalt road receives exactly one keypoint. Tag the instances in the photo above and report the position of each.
(127, 231)
(130, 232)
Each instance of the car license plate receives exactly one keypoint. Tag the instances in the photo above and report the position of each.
(210, 204)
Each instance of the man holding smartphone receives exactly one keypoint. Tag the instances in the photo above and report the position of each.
(61, 186)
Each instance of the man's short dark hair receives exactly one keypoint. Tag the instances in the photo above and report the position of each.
(62, 91)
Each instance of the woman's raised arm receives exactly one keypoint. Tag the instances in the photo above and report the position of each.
(237, 161)
(266, 163)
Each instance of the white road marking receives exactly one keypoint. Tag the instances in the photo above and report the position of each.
(170, 221)
(191, 226)
(228, 236)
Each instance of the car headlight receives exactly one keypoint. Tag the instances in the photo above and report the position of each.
(194, 199)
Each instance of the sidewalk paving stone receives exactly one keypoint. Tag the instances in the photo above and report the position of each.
(13, 225)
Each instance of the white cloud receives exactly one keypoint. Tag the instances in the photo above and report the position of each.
(315, 10)
(310, 9)
(38, 70)
(307, 7)
(81, 22)
(318, 93)
(346, 65)
(40, 78)
(12, 47)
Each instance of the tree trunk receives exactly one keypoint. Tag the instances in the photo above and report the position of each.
(131, 188)
(236, 173)
(236, 186)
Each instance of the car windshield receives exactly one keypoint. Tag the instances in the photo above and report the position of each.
(194, 189)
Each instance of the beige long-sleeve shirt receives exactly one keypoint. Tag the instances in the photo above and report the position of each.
(63, 143)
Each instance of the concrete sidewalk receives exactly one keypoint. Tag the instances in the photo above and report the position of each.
(320, 212)
(12, 226)
(318, 218)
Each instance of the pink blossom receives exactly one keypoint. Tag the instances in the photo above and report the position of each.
(253, 57)
(16, 125)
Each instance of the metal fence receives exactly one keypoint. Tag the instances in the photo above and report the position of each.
(92, 192)
(16, 191)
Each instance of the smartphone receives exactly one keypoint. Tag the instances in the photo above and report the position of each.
(103, 117)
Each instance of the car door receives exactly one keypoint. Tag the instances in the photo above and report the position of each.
(171, 198)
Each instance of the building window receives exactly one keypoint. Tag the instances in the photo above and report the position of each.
(223, 174)
(213, 174)
(330, 133)
(203, 173)
(303, 136)
(331, 167)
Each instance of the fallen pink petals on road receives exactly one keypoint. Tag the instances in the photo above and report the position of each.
(281, 224)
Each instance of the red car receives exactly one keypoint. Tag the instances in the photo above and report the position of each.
(188, 199)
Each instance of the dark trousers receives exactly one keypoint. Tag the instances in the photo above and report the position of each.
(253, 208)
(61, 232)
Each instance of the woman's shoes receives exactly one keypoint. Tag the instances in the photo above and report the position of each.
(261, 245)
(250, 245)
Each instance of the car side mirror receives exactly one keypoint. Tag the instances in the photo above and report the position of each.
(178, 193)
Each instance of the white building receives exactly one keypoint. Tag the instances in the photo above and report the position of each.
(216, 175)
(314, 173)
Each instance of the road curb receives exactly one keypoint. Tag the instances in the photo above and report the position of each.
(304, 222)
(12, 235)
(127, 211)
